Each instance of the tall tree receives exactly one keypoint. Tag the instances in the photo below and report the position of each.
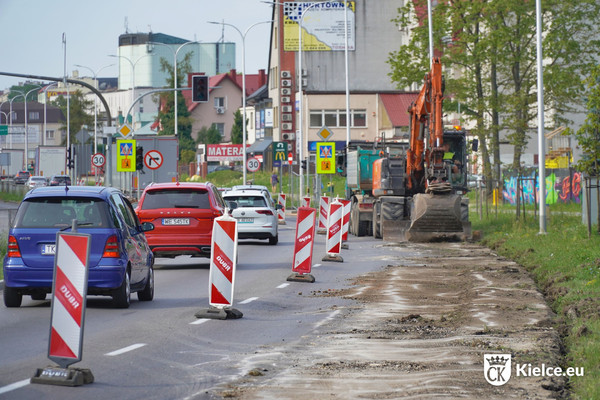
(78, 115)
(209, 135)
(166, 114)
(237, 130)
(494, 62)
(588, 136)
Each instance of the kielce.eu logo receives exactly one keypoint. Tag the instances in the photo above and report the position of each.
(497, 368)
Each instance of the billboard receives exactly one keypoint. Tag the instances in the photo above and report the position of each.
(322, 25)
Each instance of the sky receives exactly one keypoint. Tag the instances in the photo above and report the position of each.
(32, 32)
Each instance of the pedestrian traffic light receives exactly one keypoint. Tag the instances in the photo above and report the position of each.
(200, 88)
(139, 158)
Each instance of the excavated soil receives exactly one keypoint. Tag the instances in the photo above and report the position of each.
(420, 329)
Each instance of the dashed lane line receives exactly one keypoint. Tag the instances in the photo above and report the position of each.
(125, 349)
(249, 300)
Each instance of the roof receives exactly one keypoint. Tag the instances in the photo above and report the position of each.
(170, 185)
(396, 106)
(260, 146)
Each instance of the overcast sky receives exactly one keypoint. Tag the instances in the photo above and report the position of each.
(31, 31)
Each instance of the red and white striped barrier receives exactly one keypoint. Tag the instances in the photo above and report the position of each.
(303, 248)
(346, 219)
(69, 290)
(333, 242)
(223, 260)
(323, 210)
(305, 202)
(281, 212)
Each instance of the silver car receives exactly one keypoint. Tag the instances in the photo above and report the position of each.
(255, 213)
(36, 181)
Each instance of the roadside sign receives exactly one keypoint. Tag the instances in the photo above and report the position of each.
(325, 133)
(126, 155)
(3, 129)
(252, 164)
(153, 159)
(125, 130)
(325, 158)
(98, 160)
(279, 153)
(290, 158)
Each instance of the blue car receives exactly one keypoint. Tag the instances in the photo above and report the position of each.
(120, 260)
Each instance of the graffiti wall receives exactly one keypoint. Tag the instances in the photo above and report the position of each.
(562, 185)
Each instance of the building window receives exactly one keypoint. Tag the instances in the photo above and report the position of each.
(219, 102)
(49, 135)
(221, 128)
(34, 115)
(337, 118)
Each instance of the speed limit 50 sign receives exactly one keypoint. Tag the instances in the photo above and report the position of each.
(252, 164)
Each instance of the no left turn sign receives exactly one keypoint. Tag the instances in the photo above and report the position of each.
(153, 159)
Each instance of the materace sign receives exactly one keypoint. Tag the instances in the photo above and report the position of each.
(224, 152)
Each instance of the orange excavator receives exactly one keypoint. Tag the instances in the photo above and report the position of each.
(414, 194)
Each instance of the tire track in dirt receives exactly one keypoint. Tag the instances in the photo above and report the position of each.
(419, 330)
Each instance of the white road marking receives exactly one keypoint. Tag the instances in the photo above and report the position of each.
(283, 285)
(125, 349)
(251, 299)
(327, 319)
(14, 386)
(316, 265)
(199, 321)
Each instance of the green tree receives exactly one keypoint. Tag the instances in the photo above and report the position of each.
(17, 90)
(588, 135)
(78, 115)
(167, 109)
(237, 130)
(209, 135)
(493, 62)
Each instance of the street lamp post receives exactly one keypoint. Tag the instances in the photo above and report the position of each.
(175, 53)
(243, 36)
(132, 75)
(26, 130)
(10, 116)
(95, 74)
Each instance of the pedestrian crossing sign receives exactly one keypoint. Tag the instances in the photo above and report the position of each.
(326, 158)
(125, 155)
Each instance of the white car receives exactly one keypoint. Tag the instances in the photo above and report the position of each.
(260, 188)
(256, 216)
(36, 181)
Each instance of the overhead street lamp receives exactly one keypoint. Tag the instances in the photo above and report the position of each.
(243, 36)
(95, 74)
(26, 158)
(10, 115)
(132, 63)
(175, 52)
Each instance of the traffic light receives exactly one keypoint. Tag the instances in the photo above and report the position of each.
(139, 158)
(70, 161)
(303, 164)
(200, 88)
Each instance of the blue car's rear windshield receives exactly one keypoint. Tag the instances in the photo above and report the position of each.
(58, 212)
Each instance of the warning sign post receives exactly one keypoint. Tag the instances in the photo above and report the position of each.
(69, 290)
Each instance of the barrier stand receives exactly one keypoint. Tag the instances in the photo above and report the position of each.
(323, 208)
(221, 278)
(347, 204)
(281, 212)
(69, 291)
(303, 248)
(333, 243)
(305, 201)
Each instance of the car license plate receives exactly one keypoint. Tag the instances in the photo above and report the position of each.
(49, 249)
(245, 220)
(176, 221)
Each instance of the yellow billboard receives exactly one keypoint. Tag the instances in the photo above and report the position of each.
(325, 158)
(125, 155)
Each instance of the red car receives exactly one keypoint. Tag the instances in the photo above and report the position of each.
(183, 215)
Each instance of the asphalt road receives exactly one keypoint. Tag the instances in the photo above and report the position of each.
(160, 350)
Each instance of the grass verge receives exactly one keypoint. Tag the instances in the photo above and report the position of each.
(566, 266)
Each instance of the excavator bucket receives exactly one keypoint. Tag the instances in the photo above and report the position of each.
(438, 217)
